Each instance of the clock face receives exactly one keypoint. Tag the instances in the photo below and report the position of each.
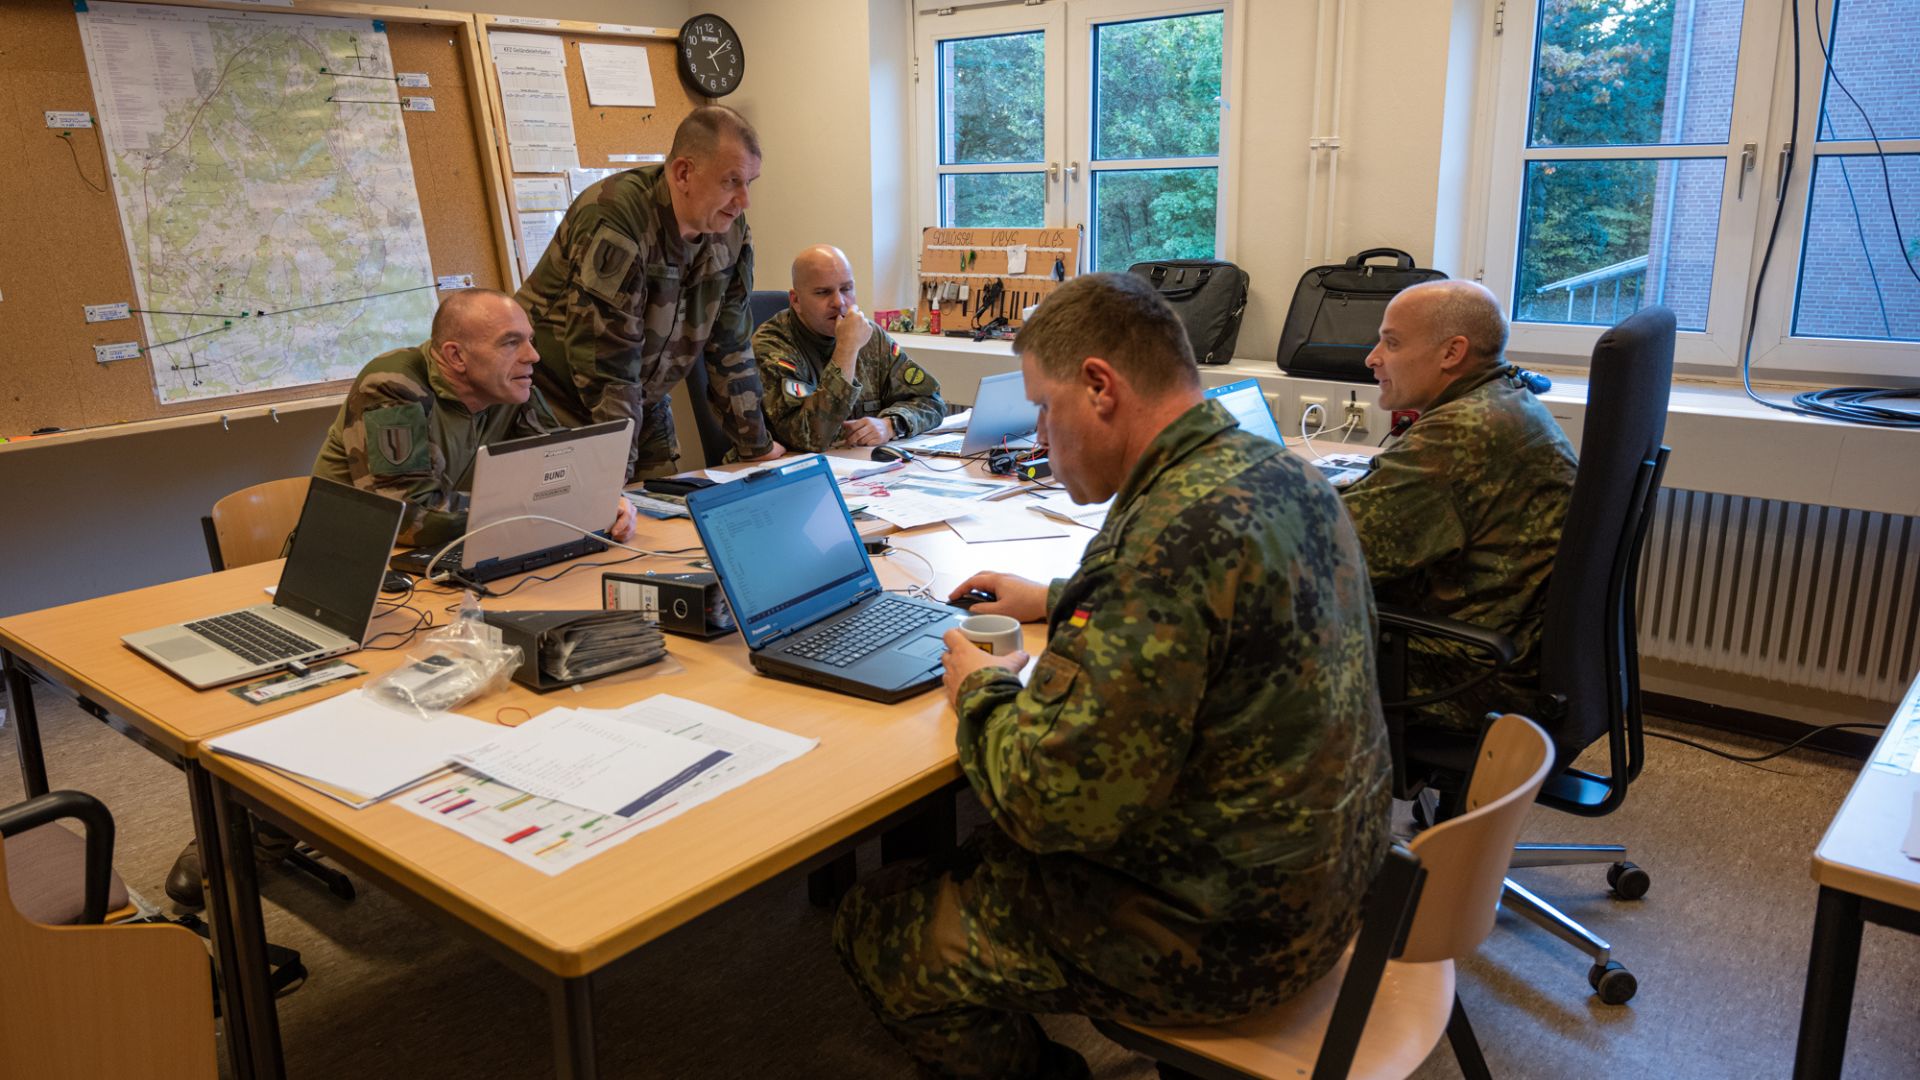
(710, 55)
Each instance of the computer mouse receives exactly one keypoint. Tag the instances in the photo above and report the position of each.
(966, 600)
(890, 453)
(395, 581)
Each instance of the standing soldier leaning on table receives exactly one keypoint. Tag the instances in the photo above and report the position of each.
(1189, 794)
(648, 275)
(832, 377)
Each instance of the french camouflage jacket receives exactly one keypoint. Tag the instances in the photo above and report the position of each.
(807, 398)
(622, 308)
(1461, 518)
(404, 433)
(1198, 760)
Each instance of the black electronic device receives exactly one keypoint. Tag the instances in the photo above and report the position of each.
(675, 487)
(396, 582)
(890, 453)
(966, 600)
(1334, 319)
(711, 58)
(1033, 469)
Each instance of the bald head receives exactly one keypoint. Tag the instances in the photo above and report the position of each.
(467, 314)
(823, 289)
(483, 345)
(1464, 309)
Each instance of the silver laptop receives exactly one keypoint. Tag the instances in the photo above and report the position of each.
(1002, 416)
(321, 608)
(573, 476)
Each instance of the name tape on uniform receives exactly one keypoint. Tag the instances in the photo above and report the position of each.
(416, 80)
(455, 281)
(108, 312)
(65, 118)
(418, 104)
(119, 350)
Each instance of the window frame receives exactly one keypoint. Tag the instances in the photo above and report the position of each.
(1070, 85)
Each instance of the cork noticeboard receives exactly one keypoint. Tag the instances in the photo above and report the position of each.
(605, 136)
(977, 259)
(65, 247)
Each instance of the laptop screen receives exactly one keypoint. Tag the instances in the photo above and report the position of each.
(340, 552)
(1001, 413)
(1249, 406)
(784, 546)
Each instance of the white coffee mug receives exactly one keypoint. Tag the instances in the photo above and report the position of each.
(996, 634)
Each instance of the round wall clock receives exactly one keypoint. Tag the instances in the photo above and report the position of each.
(711, 59)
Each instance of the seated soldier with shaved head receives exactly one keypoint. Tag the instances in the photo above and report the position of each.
(416, 418)
(831, 377)
(1461, 515)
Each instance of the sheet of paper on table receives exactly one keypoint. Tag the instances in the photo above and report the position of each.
(590, 760)
(997, 522)
(1061, 505)
(551, 836)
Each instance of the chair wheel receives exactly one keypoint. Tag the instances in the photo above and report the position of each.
(1614, 983)
(1629, 882)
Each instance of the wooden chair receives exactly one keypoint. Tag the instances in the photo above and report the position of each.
(86, 1001)
(252, 524)
(1383, 1008)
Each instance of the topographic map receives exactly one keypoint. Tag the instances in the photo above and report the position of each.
(266, 192)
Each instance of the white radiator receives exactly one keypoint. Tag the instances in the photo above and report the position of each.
(1812, 596)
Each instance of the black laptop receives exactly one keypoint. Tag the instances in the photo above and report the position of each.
(805, 595)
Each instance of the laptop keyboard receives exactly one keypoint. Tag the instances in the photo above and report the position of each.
(948, 445)
(858, 637)
(253, 638)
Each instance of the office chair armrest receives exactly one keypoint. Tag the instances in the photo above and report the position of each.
(1495, 648)
(89, 811)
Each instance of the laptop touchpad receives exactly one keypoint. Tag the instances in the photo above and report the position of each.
(183, 647)
(926, 646)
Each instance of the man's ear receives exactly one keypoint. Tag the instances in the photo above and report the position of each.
(1453, 359)
(453, 356)
(1100, 382)
(679, 169)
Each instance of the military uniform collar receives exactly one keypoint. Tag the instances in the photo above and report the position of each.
(804, 335)
(1467, 384)
(437, 381)
(1187, 433)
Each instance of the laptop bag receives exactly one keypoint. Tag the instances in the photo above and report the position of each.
(1334, 321)
(1209, 295)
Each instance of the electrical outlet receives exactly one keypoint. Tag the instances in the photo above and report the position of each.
(1359, 417)
(1313, 423)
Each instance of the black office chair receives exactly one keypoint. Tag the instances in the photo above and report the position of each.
(762, 304)
(1589, 652)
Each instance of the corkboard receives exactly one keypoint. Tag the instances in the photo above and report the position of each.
(978, 257)
(64, 248)
(600, 132)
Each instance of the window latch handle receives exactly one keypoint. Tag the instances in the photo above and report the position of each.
(1053, 171)
(1780, 179)
(1748, 154)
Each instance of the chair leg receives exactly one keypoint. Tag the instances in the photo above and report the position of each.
(1466, 1048)
(1525, 855)
(1517, 899)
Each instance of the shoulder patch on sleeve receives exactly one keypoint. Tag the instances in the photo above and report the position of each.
(796, 388)
(912, 375)
(1052, 678)
(604, 265)
(396, 440)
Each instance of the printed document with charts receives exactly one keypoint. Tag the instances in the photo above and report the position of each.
(551, 835)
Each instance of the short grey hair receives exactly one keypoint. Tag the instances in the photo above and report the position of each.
(702, 130)
(1121, 319)
(1466, 309)
(454, 320)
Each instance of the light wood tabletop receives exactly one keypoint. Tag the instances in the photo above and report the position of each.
(1863, 849)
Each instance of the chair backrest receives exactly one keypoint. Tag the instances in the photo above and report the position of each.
(1466, 857)
(252, 524)
(762, 304)
(1585, 634)
(78, 1002)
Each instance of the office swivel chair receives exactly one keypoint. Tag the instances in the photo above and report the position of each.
(762, 304)
(1589, 653)
(1384, 1006)
(78, 999)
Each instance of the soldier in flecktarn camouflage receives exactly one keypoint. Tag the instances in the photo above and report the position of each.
(832, 377)
(648, 275)
(1189, 795)
(1461, 515)
(415, 419)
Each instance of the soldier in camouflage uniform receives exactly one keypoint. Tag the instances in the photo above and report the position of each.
(1189, 795)
(832, 377)
(648, 275)
(415, 419)
(1461, 515)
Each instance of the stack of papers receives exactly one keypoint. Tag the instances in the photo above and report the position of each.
(592, 645)
(551, 834)
(591, 760)
(355, 749)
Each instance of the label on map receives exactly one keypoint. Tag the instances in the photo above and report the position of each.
(108, 312)
(414, 79)
(119, 350)
(61, 118)
(523, 20)
(455, 281)
(418, 104)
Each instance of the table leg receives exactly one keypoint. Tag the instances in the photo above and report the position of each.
(248, 978)
(1828, 1005)
(206, 832)
(26, 725)
(573, 1050)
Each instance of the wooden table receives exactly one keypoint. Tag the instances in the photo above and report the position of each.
(1865, 876)
(873, 763)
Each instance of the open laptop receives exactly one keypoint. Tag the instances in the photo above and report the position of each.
(803, 592)
(321, 608)
(1002, 416)
(1249, 406)
(570, 475)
